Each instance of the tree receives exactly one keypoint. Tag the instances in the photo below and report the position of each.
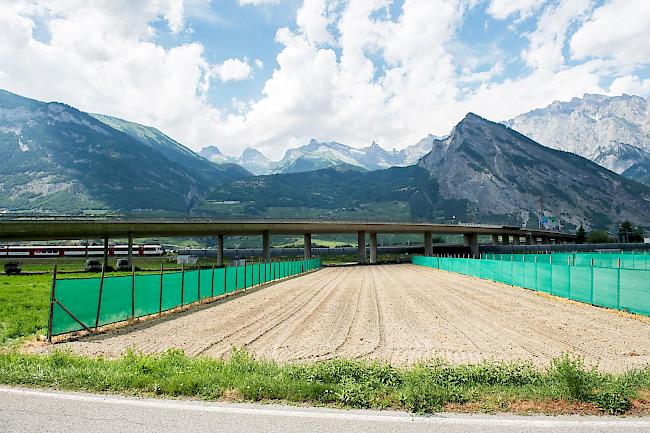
(598, 237)
(628, 232)
(581, 235)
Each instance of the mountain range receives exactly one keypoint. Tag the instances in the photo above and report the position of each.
(57, 158)
(483, 171)
(319, 155)
(60, 159)
(612, 131)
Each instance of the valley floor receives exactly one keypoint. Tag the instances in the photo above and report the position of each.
(397, 313)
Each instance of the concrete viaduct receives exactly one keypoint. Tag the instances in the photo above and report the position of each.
(80, 228)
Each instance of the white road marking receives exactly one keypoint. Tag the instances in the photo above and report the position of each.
(226, 408)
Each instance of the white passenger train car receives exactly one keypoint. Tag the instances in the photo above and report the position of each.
(45, 251)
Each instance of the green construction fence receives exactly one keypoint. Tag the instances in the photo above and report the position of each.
(87, 303)
(613, 287)
(627, 260)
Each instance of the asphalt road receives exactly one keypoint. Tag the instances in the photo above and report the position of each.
(26, 410)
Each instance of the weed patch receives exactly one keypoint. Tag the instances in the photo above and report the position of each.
(423, 388)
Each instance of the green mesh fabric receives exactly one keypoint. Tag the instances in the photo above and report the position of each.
(628, 260)
(81, 297)
(147, 294)
(624, 288)
(127, 296)
(116, 300)
(635, 291)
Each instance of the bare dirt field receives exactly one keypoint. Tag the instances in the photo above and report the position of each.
(397, 313)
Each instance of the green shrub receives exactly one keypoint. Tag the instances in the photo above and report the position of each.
(572, 377)
(614, 398)
(427, 389)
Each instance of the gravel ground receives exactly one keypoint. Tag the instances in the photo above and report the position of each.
(397, 313)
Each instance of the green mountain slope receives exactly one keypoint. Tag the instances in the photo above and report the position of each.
(59, 159)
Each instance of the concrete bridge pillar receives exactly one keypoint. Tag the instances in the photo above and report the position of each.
(373, 248)
(307, 244)
(495, 239)
(129, 248)
(529, 239)
(471, 241)
(428, 244)
(266, 245)
(219, 250)
(505, 239)
(361, 241)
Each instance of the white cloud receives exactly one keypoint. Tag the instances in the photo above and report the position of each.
(502, 9)
(419, 89)
(348, 71)
(258, 2)
(313, 21)
(619, 29)
(547, 41)
(630, 84)
(102, 57)
(233, 70)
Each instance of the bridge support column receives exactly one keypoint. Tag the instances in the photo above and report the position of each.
(129, 252)
(361, 241)
(428, 244)
(373, 248)
(219, 250)
(266, 245)
(495, 239)
(105, 252)
(471, 241)
(529, 239)
(505, 239)
(307, 243)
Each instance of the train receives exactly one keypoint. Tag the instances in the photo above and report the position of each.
(51, 251)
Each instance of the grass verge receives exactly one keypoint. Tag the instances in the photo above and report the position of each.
(565, 387)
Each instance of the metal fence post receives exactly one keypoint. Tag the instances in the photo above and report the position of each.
(591, 293)
(161, 289)
(236, 272)
(132, 291)
(618, 286)
(198, 283)
(182, 284)
(550, 259)
(245, 272)
(212, 291)
(51, 312)
(99, 300)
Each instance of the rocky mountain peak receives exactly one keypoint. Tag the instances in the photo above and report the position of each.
(613, 131)
(210, 151)
(486, 162)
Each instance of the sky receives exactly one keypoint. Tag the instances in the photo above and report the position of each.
(272, 74)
